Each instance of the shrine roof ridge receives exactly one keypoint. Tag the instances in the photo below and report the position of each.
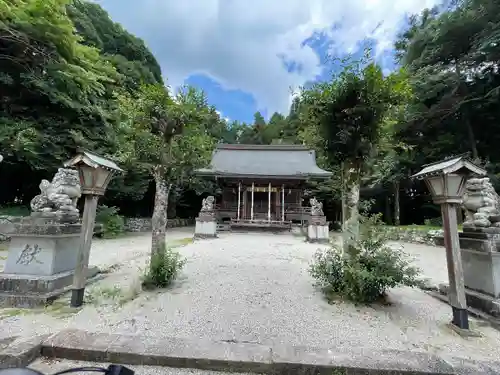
(276, 147)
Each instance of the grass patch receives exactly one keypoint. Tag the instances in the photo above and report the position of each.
(421, 227)
(180, 242)
(14, 211)
(60, 309)
(10, 312)
(115, 295)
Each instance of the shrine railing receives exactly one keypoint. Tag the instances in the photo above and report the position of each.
(290, 208)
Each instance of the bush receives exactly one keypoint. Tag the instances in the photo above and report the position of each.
(163, 269)
(365, 272)
(113, 224)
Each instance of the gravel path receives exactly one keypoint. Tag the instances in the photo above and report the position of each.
(256, 288)
(430, 259)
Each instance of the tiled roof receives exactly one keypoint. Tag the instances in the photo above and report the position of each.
(294, 161)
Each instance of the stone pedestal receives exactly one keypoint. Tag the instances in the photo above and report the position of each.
(206, 226)
(41, 260)
(318, 230)
(481, 268)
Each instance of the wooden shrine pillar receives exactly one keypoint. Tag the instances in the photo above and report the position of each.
(251, 207)
(269, 203)
(283, 202)
(239, 199)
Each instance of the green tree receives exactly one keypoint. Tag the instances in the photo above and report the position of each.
(56, 91)
(62, 61)
(349, 111)
(125, 51)
(164, 135)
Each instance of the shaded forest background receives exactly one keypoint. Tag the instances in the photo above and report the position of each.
(71, 77)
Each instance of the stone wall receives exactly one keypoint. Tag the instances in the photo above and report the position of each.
(143, 224)
(415, 235)
(6, 226)
(132, 224)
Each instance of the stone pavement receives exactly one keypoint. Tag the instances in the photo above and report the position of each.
(250, 357)
(137, 351)
(51, 365)
(255, 289)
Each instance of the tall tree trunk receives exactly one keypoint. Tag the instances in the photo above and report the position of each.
(159, 220)
(472, 138)
(462, 91)
(388, 210)
(396, 204)
(343, 199)
(352, 186)
(172, 207)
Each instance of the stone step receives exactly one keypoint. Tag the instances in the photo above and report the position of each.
(223, 228)
(247, 357)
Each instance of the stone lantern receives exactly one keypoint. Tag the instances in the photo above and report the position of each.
(446, 181)
(95, 174)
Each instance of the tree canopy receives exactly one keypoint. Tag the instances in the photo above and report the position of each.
(71, 77)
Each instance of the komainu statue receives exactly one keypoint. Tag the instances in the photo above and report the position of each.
(57, 199)
(481, 204)
(207, 205)
(316, 207)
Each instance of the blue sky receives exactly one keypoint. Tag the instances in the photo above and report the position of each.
(252, 55)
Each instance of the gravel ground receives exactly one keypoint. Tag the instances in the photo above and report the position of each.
(256, 288)
(430, 259)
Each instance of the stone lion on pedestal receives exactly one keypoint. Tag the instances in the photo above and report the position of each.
(207, 205)
(481, 204)
(58, 199)
(316, 207)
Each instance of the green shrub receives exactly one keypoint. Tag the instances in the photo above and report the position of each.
(163, 269)
(367, 269)
(113, 224)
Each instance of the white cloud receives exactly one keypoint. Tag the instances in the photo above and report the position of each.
(221, 116)
(241, 43)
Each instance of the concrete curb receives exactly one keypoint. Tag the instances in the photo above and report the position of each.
(20, 352)
(248, 357)
(491, 320)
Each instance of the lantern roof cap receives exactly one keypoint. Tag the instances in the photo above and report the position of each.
(92, 160)
(454, 164)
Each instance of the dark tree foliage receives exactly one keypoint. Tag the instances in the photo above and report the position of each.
(65, 63)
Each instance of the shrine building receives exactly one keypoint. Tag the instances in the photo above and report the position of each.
(262, 185)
